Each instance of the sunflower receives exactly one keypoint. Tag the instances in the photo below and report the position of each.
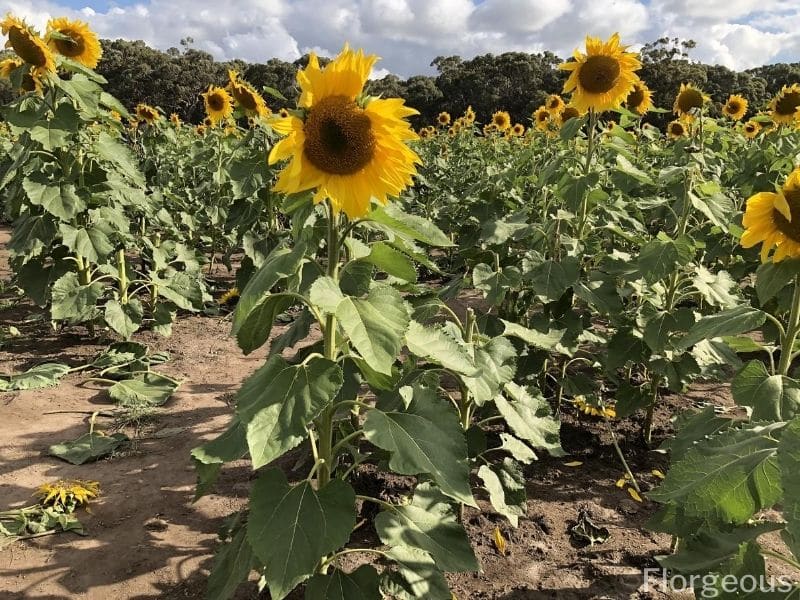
(28, 46)
(148, 114)
(554, 103)
(469, 116)
(218, 103)
(283, 113)
(735, 108)
(569, 112)
(603, 77)
(443, 119)
(676, 129)
(595, 409)
(773, 219)
(175, 119)
(751, 129)
(246, 96)
(67, 493)
(489, 129)
(349, 147)
(424, 133)
(116, 116)
(541, 118)
(74, 40)
(501, 120)
(200, 130)
(230, 297)
(688, 100)
(518, 130)
(785, 106)
(8, 66)
(640, 100)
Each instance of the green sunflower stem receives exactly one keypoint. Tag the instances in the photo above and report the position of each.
(590, 136)
(792, 331)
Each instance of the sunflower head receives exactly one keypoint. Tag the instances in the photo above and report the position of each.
(541, 118)
(569, 112)
(230, 297)
(751, 129)
(773, 220)
(116, 116)
(200, 130)
(518, 130)
(785, 106)
(676, 129)
(489, 129)
(640, 99)
(175, 119)
(469, 116)
(74, 40)
(348, 147)
(424, 133)
(501, 120)
(9, 65)
(595, 407)
(735, 108)
(554, 103)
(688, 101)
(67, 494)
(27, 44)
(246, 96)
(603, 77)
(443, 119)
(147, 113)
(218, 104)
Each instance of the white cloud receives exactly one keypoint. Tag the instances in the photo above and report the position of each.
(408, 34)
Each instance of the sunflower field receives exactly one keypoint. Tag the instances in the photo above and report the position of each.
(452, 291)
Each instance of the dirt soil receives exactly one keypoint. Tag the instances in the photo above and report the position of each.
(147, 539)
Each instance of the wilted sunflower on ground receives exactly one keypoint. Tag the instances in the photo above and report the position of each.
(773, 220)
(735, 108)
(443, 119)
(785, 106)
(148, 114)
(595, 409)
(640, 99)
(246, 96)
(74, 40)
(602, 78)
(28, 46)
(688, 100)
(676, 129)
(554, 103)
(67, 494)
(348, 147)
(751, 129)
(218, 104)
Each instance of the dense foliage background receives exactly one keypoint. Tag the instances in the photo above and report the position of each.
(513, 81)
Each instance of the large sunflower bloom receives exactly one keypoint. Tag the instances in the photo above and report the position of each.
(443, 119)
(218, 103)
(603, 77)
(82, 44)
(246, 96)
(347, 147)
(541, 118)
(640, 99)
(501, 120)
(148, 114)
(751, 129)
(735, 108)
(28, 46)
(676, 129)
(689, 99)
(554, 103)
(785, 106)
(773, 219)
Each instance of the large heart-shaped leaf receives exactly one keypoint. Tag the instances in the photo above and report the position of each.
(530, 418)
(436, 345)
(361, 584)
(145, 389)
(772, 397)
(88, 447)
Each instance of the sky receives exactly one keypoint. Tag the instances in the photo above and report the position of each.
(409, 34)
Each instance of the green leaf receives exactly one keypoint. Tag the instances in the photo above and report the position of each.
(732, 321)
(391, 261)
(625, 166)
(428, 523)
(88, 447)
(789, 462)
(279, 400)
(658, 258)
(420, 579)
(495, 284)
(424, 438)
(185, 290)
(517, 448)
(551, 279)
(409, 226)
(715, 287)
(434, 344)
(506, 486)
(232, 565)
(772, 277)
(145, 389)
(74, 302)
(361, 584)
(125, 320)
(326, 295)
(109, 149)
(496, 363)
(772, 397)
(375, 326)
(35, 378)
(291, 528)
(532, 337)
(572, 127)
(31, 234)
(530, 418)
(692, 428)
(209, 458)
(717, 207)
(91, 243)
(257, 326)
(59, 200)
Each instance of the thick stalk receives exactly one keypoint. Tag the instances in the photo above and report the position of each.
(465, 403)
(792, 330)
(123, 277)
(590, 135)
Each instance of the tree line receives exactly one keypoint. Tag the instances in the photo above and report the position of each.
(514, 81)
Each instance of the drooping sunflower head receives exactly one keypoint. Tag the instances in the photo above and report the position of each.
(501, 120)
(147, 113)
(751, 129)
(735, 108)
(541, 118)
(518, 130)
(469, 116)
(554, 103)
(348, 147)
(8, 66)
(218, 103)
(443, 119)
(773, 220)
(74, 40)
(569, 112)
(676, 129)
(28, 45)
(688, 101)
(602, 78)
(640, 99)
(67, 494)
(785, 106)
(246, 96)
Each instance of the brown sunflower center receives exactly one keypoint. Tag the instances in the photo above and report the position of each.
(734, 106)
(216, 102)
(599, 74)
(553, 103)
(789, 228)
(24, 44)
(339, 136)
(245, 97)
(676, 129)
(688, 99)
(569, 113)
(635, 98)
(542, 117)
(500, 120)
(74, 46)
(787, 104)
(749, 128)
